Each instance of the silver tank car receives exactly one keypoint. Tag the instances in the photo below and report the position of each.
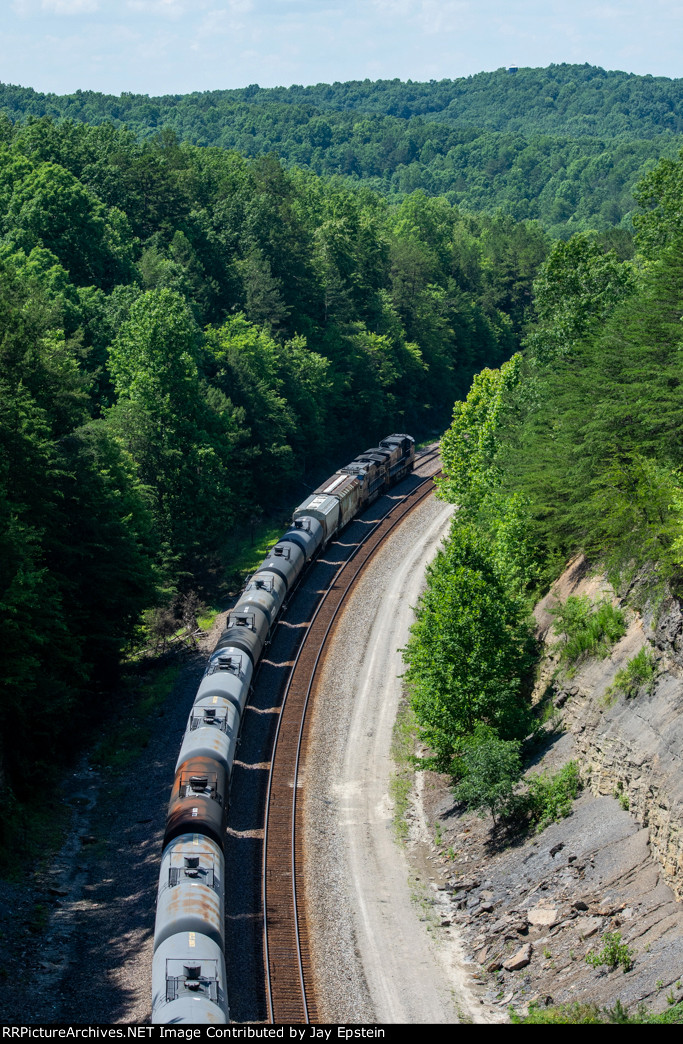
(188, 981)
(191, 890)
(308, 533)
(286, 559)
(227, 676)
(212, 731)
(266, 590)
(246, 630)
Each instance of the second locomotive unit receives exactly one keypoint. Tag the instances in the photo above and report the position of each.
(188, 970)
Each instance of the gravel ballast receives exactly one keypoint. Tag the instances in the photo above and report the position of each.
(374, 959)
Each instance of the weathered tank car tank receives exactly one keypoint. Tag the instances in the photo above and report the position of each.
(188, 970)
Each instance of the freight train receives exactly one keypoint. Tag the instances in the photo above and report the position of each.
(188, 969)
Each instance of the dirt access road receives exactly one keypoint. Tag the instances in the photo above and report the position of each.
(373, 951)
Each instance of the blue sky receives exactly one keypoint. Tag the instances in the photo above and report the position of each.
(177, 46)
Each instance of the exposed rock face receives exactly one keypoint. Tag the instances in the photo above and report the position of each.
(630, 748)
(669, 630)
(520, 959)
(593, 872)
(544, 916)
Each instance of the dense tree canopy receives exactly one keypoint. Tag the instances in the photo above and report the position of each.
(470, 650)
(563, 145)
(187, 333)
(76, 539)
(573, 445)
(185, 336)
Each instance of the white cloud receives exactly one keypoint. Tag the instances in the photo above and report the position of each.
(226, 21)
(397, 8)
(608, 13)
(166, 8)
(447, 16)
(432, 16)
(70, 7)
(193, 9)
(215, 23)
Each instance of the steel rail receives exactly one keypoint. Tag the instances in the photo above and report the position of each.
(394, 516)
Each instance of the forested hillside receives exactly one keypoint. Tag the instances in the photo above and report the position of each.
(188, 333)
(564, 145)
(569, 100)
(572, 446)
(185, 334)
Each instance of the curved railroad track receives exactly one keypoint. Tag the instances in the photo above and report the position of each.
(286, 950)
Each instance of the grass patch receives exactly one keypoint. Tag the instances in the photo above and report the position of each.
(591, 1014)
(424, 900)
(638, 673)
(621, 797)
(614, 953)
(403, 743)
(128, 740)
(673, 1016)
(586, 628)
(550, 797)
(244, 554)
(205, 620)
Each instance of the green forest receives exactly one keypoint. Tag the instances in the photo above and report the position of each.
(572, 445)
(186, 335)
(207, 301)
(563, 145)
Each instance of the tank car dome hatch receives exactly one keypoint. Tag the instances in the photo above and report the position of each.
(308, 533)
(189, 989)
(286, 559)
(191, 889)
(226, 660)
(246, 630)
(266, 590)
(227, 677)
(198, 800)
(211, 732)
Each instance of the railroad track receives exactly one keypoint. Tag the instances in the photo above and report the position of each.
(286, 948)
